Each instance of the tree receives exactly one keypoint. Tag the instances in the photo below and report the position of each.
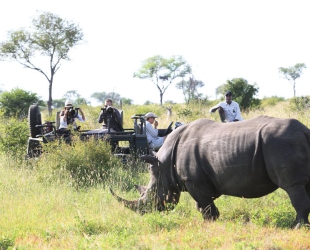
(102, 96)
(292, 73)
(15, 103)
(51, 37)
(81, 101)
(99, 97)
(243, 93)
(75, 98)
(190, 89)
(72, 95)
(220, 90)
(162, 71)
(126, 101)
(59, 103)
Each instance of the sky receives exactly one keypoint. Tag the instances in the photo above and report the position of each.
(221, 40)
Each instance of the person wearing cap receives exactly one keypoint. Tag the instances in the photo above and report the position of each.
(66, 119)
(229, 108)
(152, 132)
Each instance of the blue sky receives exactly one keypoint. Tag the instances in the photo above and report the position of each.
(220, 39)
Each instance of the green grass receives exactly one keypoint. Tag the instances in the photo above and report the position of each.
(48, 203)
(36, 214)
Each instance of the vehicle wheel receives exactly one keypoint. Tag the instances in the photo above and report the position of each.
(34, 118)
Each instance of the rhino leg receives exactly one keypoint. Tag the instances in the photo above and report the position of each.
(301, 202)
(204, 201)
(209, 212)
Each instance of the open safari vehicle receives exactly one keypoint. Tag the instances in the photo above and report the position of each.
(128, 141)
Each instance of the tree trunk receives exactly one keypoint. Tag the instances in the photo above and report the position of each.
(50, 100)
(161, 98)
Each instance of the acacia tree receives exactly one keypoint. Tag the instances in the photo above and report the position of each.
(75, 97)
(100, 97)
(51, 37)
(162, 71)
(190, 88)
(292, 73)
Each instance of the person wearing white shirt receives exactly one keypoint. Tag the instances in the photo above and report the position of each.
(66, 119)
(152, 132)
(229, 108)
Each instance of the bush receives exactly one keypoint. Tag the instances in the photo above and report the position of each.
(86, 163)
(14, 134)
(300, 103)
(271, 101)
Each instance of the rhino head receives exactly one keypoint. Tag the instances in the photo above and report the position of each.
(159, 195)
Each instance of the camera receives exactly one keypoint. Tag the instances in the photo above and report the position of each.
(108, 110)
(72, 113)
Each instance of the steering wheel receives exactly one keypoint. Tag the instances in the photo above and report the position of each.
(168, 130)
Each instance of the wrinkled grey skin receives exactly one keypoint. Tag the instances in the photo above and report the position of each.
(246, 159)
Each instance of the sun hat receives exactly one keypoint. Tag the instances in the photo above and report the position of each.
(68, 103)
(150, 114)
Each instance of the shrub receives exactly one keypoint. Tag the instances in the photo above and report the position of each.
(86, 163)
(14, 134)
(300, 103)
(271, 101)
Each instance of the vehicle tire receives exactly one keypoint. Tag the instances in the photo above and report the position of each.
(34, 118)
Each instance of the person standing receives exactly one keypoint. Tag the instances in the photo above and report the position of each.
(229, 108)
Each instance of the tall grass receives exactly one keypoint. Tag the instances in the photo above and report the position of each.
(62, 201)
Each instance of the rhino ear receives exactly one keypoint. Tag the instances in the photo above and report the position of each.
(149, 159)
(141, 189)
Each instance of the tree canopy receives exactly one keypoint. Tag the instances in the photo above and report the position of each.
(100, 97)
(190, 88)
(15, 103)
(50, 36)
(162, 71)
(292, 73)
(243, 93)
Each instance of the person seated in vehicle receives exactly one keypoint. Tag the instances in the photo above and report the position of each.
(68, 117)
(154, 140)
(110, 116)
(111, 119)
(229, 110)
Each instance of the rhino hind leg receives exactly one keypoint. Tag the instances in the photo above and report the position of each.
(301, 202)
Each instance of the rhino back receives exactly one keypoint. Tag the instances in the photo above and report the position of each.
(241, 159)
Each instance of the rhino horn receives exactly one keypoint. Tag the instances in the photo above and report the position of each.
(133, 205)
(141, 189)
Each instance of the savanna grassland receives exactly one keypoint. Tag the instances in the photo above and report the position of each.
(61, 200)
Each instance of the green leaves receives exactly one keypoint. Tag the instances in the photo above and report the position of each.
(15, 103)
(51, 37)
(243, 93)
(162, 71)
(292, 73)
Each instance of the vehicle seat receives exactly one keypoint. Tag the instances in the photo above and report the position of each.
(122, 116)
(57, 120)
